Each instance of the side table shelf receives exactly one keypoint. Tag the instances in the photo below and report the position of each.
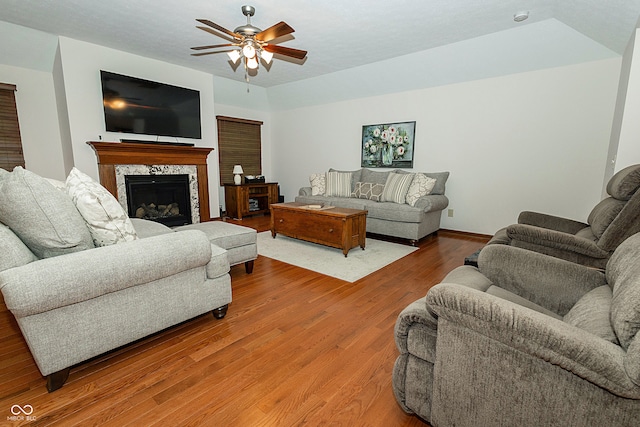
(249, 199)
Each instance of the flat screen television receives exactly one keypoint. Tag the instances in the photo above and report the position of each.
(138, 106)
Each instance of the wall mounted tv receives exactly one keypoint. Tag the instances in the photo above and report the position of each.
(138, 106)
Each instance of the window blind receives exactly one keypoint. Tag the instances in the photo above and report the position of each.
(239, 143)
(10, 143)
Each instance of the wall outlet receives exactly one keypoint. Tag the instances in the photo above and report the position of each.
(450, 213)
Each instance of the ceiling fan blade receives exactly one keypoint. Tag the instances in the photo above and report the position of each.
(217, 27)
(286, 51)
(278, 30)
(208, 53)
(213, 46)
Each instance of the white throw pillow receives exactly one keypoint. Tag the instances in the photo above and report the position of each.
(420, 186)
(338, 184)
(395, 190)
(108, 223)
(318, 184)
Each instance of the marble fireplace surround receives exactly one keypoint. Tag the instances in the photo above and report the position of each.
(117, 159)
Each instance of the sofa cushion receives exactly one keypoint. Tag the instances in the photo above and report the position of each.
(391, 211)
(603, 214)
(45, 219)
(338, 184)
(396, 187)
(592, 313)
(624, 183)
(107, 221)
(367, 175)
(440, 177)
(420, 186)
(368, 190)
(318, 183)
(14, 252)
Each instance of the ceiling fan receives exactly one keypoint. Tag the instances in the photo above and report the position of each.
(249, 43)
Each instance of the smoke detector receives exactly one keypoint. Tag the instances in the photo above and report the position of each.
(521, 16)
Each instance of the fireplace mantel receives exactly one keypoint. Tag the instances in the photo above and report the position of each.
(111, 154)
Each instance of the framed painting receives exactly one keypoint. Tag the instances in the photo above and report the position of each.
(388, 145)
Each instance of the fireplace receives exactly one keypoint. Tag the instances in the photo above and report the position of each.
(161, 198)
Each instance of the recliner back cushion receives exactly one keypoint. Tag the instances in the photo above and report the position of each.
(624, 183)
(603, 214)
(623, 273)
(592, 313)
(44, 218)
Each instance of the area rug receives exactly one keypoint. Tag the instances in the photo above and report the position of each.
(331, 261)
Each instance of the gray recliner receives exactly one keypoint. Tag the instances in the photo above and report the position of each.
(524, 340)
(610, 222)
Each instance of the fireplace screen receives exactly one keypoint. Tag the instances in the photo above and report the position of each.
(161, 198)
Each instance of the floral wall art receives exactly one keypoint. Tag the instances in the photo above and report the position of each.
(388, 145)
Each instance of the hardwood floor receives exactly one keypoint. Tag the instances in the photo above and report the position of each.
(296, 347)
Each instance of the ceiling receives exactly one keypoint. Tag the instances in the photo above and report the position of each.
(338, 35)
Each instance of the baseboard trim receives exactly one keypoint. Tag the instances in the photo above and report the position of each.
(468, 234)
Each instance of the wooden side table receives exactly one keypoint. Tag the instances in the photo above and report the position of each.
(237, 198)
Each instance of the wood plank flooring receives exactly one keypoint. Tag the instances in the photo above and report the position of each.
(295, 348)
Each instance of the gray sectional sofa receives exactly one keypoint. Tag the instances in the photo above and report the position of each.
(385, 217)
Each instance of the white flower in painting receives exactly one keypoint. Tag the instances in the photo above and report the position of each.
(384, 135)
(392, 130)
(373, 148)
(376, 132)
(400, 150)
(406, 138)
(392, 139)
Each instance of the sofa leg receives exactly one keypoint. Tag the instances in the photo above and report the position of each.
(57, 379)
(248, 267)
(220, 312)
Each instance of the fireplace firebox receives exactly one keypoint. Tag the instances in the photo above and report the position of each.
(161, 198)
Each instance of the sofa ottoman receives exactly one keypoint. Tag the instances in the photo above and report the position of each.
(239, 241)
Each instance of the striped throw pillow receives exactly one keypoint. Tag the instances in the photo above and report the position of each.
(395, 190)
(338, 184)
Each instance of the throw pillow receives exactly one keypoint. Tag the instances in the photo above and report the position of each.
(338, 184)
(318, 184)
(368, 190)
(108, 223)
(420, 186)
(44, 218)
(395, 190)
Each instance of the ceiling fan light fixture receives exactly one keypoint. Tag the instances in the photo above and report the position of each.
(252, 63)
(266, 56)
(248, 50)
(234, 55)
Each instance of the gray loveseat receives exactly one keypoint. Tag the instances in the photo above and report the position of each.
(385, 217)
(526, 340)
(73, 300)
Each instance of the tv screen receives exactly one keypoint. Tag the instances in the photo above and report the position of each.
(138, 106)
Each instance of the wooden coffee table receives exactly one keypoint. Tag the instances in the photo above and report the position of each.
(330, 226)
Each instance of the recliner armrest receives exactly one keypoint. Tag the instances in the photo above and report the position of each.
(51, 283)
(551, 222)
(551, 282)
(555, 239)
(540, 336)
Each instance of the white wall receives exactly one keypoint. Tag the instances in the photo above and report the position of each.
(532, 140)
(81, 65)
(36, 105)
(628, 149)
